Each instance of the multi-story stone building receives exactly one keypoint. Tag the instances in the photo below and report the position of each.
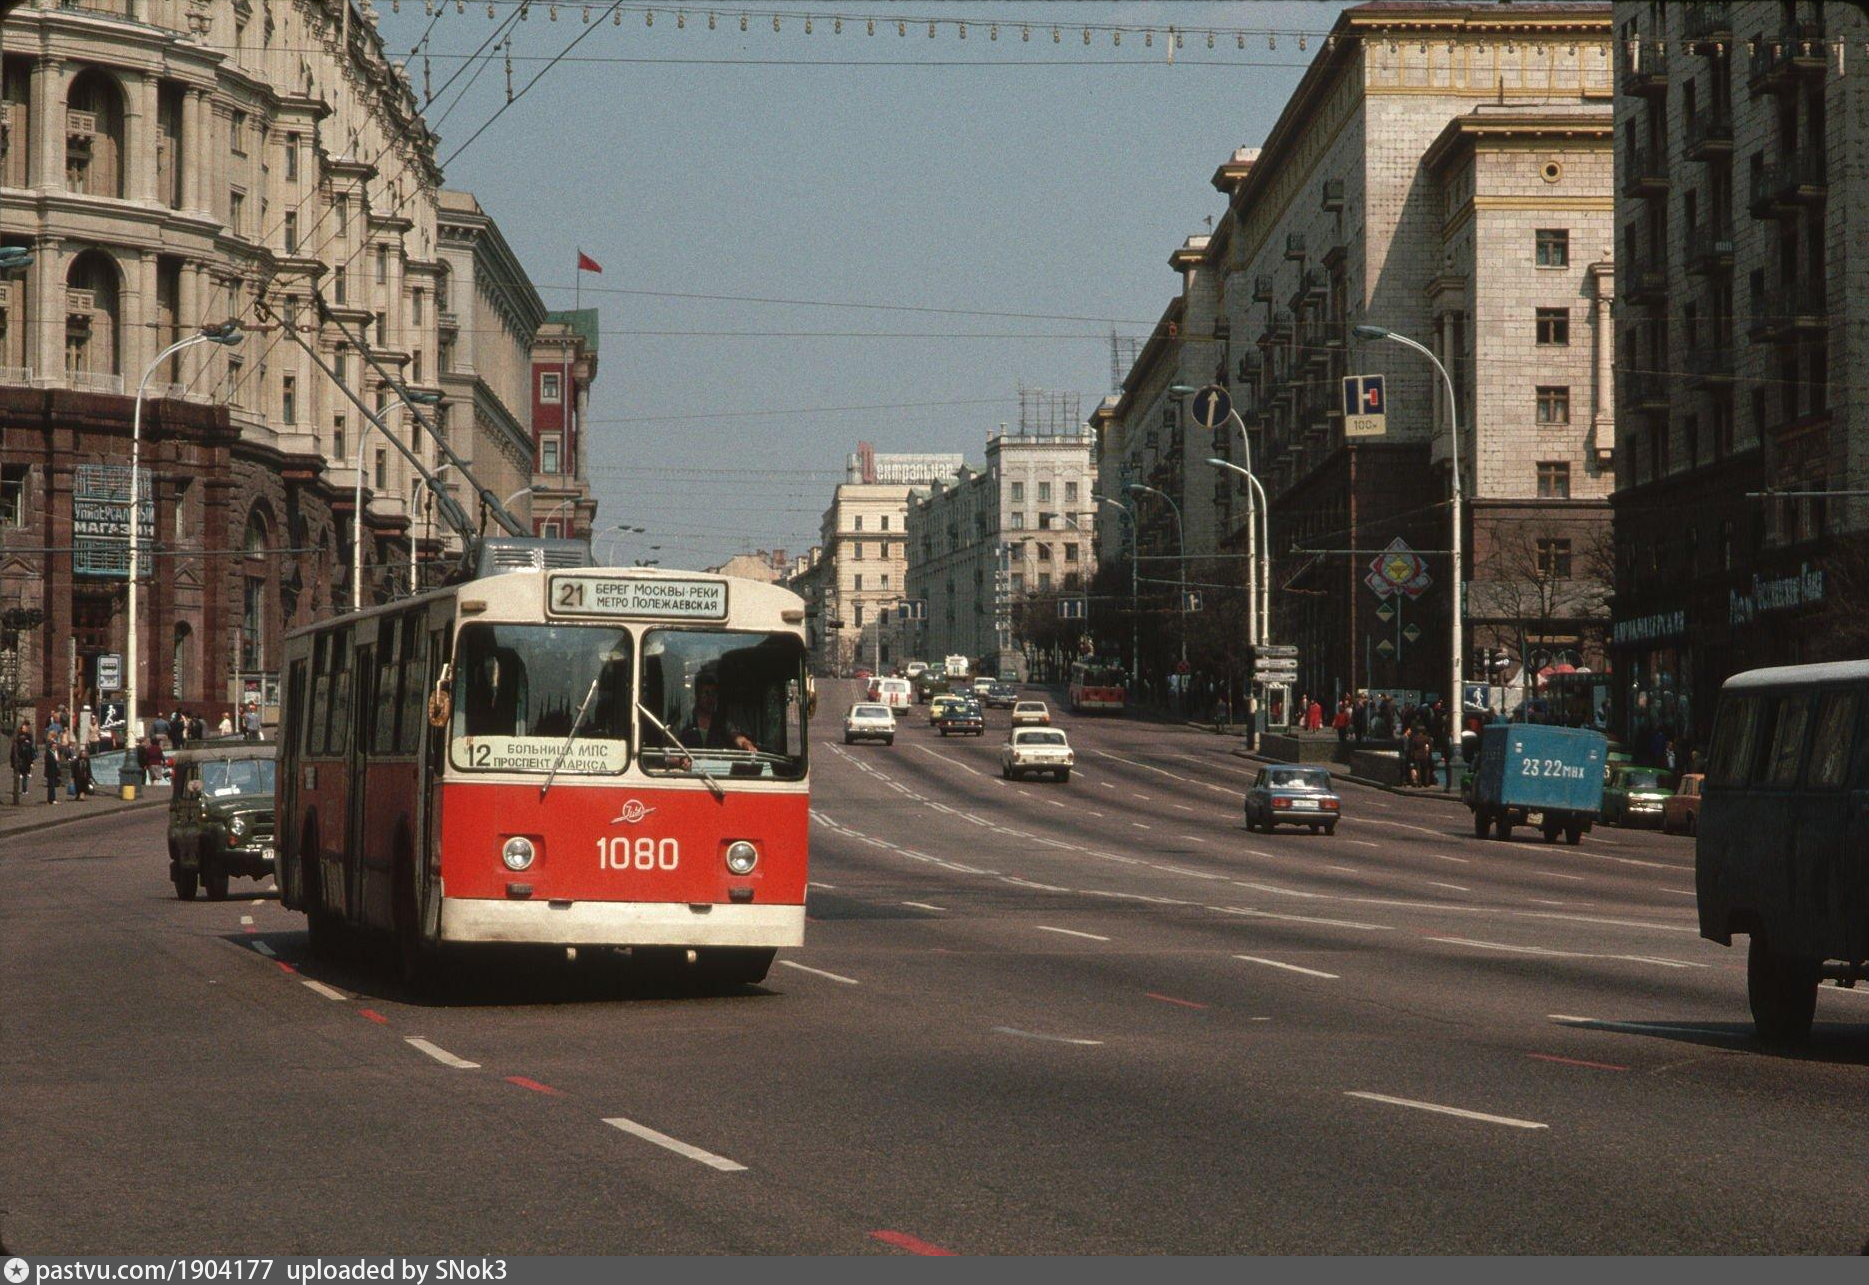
(864, 566)
(170, 165)
(564, 362)
(1443, 170)
(1743, 469)
(1023, 525)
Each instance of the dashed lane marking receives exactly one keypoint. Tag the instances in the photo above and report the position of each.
(828, 887)
(264, 949)
(1193, 838)
(440, 1054)
(1640, 1028)
(1577, 1061)
(913, 1244)
(535, 1086)
(1069, 932)
(329, 992)
(676, 1145)
(373, 1016)
(1438, 1109)
(1290, 968)
(1434, 883)
(1365, 843)
(1170, 999)
(1349, 870)
(818, 972)
(1552, 874)
(246, 919)
(945, 759)
(922, 905)
(1566, 954)
(1035, 1035)
(1142, 825)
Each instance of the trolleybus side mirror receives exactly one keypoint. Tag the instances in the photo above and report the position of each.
(441, 700)
(811, 697)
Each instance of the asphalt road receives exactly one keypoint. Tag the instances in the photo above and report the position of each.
(1029, 1018)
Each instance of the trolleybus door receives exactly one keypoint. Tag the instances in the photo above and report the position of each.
(363, 721)
(434, 744)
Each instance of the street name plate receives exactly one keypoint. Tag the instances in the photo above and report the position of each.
(592, 593)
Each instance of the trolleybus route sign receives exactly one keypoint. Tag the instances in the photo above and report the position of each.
(584, 593)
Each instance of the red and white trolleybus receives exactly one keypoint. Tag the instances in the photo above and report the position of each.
(1095, 685)
(589, 757)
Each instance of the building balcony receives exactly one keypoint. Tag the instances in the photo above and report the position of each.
(1710, 134)
(1644, 390)
(16, 376)
(1710, 250)
(94, 382)
(1790, 183)
(1648, 74)
(1645, 172)
(1333, 194)
(1642, 279)
(1708, 21)
(1710, 365)
(1262, 288)
(1789, 312)
(1294, 245)
(1786, 56)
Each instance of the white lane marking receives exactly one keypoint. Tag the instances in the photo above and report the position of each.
(945, 759)
(1544, 902)
(1442, 856)
(264, 949)
(1106, 785)
(1141, 825)
(1194, 838)
(806, 968)
(1682, 892)
(440, 1054)
(1349, 870)
(1273, 963)
(1552, 874)
(1183, 807)
(676, 1145)
(1146, 798)
(1034, 1035)
(246, 919)
(1054, 803)
(812, 883)
(1566, 954)
(1442, 1110)
(1614, 923)
(1251, 913)
(1570, 1019)
(1400, 825)
(1098, 815)
(1068, 932)
(1435, 883)
(329, 992)
(1847, 990)
(921, 905)
(1173, 776)
(256, 902)
(1366, 843)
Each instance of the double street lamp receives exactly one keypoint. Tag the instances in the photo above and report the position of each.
(1456, 702)
(1181, 541)
(356, 540)
(226, 333)
(1258, 551)
(1135, 602)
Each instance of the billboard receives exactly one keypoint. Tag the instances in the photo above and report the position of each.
(100, 520)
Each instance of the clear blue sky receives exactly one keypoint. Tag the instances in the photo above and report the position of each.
(980, 175)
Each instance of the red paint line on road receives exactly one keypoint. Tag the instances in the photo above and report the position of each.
(1170, 999)
(373, 1015)
(534, 1085)
(1572, 1061)
(285, 967)
(915, 1245)
(249, 927)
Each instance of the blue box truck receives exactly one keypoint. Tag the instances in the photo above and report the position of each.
(1527, 769)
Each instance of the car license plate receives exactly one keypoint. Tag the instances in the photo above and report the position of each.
(266, 853)
(1303, 805)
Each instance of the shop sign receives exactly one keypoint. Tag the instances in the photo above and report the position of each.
(1804, 589)
(1641, 629)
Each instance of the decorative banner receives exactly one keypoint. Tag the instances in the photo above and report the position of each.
(1411, 633)
(1400, 568)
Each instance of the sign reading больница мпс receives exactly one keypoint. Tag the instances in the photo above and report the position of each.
(583, 593)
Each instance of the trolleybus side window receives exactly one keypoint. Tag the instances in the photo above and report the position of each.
(386, 680)
(319, 716)
(709, 694)
(414, 684)
(337, 726)
(528, 698)
(1794, 717)
(1734, 739)
(1830, 750)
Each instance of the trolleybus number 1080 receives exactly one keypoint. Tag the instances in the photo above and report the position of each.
(623, 853)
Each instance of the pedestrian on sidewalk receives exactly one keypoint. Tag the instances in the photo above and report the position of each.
(23, 754)
(1359, 718)
(1314, 717)
(51, 773)
(1341, 721)
(226, 727)
(81, 775)
(251, 723)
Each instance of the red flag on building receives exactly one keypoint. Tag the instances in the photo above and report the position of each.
(586, 263)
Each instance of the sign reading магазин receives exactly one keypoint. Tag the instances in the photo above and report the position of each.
(583, 593)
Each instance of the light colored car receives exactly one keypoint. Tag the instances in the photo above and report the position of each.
(940, 703)
(1035, 749)
(981, 686)
(870, 722)
(1031, 714)
(1290, 794)
(914, 668)
(894, 692)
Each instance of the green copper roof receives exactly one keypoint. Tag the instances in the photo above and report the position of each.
(583, 322)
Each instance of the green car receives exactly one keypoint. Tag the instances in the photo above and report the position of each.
(221, 817)
(1634, 795)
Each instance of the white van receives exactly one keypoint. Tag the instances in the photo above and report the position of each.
(896, 693)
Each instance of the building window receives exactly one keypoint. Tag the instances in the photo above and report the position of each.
(340, 285)
(548, 454)
(1553, 247)
(857, 551)
(1553, 404)
(415, 307)
(1554, 480)
(337, 439)
(292, 232)
(884, 582)
(382, 469)
(1554, 559)
(237, 211)
(1553, 326)
(382, 265)
(1044, 492)
(292, 158)
(13, 495)
(1070, 553)
(1070, 492)
(1044, 581)
(885, 522)
(1015, 521)
(252, 623)
(382, 330)
(343, 216)
(1044, 552)
(237, 133)
(1017, 580)
(859, 523)
(1018, 492)
(857, 584)
(859, 615)
(289, 399)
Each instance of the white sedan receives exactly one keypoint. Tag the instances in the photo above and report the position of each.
(1035, 749)
(868, 721)
(1031, 714)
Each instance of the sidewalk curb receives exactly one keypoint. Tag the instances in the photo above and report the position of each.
(7, 832)
(1440, 796)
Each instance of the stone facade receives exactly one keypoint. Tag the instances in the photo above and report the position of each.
(564, 357)
(1740, 130)
(865, 563)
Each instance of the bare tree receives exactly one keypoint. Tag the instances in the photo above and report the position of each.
(1543, 579)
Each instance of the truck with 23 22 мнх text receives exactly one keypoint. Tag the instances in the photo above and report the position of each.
(1527, 768)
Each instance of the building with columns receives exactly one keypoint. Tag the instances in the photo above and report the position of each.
(564, 362)
(176, 163)
(1442, 170)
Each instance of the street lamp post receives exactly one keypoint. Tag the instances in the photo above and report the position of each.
(620, 528)
(225, 333)
(1456, 704)
(1258, 629)
(428, 521)
(1135, 610)
(1137, 488)
(356, 512)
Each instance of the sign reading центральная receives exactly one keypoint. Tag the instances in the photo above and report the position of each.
(576, 593)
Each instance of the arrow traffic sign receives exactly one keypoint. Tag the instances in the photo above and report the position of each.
(1211, 406)
(1282, 650)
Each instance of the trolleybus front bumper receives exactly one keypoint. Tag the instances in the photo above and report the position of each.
(620, 923)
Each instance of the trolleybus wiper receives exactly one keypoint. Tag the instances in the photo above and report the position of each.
(576, 723)
(713, 786)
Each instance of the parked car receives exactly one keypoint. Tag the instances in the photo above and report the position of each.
(1680, 812)
(1634, 795)
(1031, 750)
(869, 721)
(1002, 696)
(960, 716)
(1287, 794)
(221, 816)
(1031, 714)
(940, 703)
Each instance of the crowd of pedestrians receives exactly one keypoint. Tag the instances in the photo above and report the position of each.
(61, 753)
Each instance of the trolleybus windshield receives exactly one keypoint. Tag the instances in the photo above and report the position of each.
(519, 690)
(723, 703)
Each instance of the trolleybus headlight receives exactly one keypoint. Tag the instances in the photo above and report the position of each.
(517, 854)
(742, 857)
